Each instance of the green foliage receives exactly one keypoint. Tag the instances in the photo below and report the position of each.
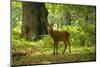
(55, 13)
(16, 13)
(82, 35)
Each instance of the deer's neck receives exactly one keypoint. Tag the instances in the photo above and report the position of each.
(51, 33)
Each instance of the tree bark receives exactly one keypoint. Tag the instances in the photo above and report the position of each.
(32, 15)
(67, 18)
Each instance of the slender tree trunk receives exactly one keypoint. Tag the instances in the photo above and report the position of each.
(67, 18)
(33, 25)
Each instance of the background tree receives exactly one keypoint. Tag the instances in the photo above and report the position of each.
(67, 18)
(33, 14)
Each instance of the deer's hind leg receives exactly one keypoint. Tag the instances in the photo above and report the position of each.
(69, 46)
(65, 47)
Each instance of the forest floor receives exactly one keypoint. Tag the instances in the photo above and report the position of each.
(32, 58)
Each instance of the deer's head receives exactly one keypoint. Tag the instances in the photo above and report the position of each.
(50, 28)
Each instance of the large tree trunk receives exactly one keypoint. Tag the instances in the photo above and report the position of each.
(33, 15)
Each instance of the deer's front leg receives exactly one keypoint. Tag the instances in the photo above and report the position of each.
(54, 48)
(69, 46)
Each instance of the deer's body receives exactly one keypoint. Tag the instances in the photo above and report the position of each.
(59, 36)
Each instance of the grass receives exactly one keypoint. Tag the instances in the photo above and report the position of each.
(78, 55)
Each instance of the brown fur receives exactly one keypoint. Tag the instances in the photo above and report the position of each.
(59, 36)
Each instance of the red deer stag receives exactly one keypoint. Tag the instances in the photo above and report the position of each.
(59, 36)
